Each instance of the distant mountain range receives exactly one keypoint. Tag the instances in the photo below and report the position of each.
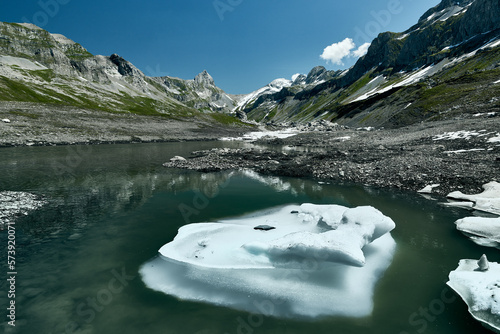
(36, 66)
(446, 64)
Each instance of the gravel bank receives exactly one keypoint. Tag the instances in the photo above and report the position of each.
(459, 154)
(41, 124)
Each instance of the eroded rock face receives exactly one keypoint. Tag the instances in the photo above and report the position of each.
(482, 16)
(69, 61)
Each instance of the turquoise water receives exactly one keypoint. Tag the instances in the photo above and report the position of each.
(110, 208)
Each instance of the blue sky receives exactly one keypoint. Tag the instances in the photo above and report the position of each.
(243, 44)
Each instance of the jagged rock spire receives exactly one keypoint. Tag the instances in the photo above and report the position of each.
(204, 79)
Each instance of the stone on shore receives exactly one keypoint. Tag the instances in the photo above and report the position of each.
(483, 263)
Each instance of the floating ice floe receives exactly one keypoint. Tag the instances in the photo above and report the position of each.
(483, 231)
(488, 200)
(428, 189)
(308, 260)
(479, 287)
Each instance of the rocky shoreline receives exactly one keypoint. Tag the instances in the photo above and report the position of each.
(461, 154)
(458, 154)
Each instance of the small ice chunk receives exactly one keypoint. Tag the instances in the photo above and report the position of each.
(488, 200)
(483, 231)
(6, 120)
(177, 159)
(428, 189)
(480, 290)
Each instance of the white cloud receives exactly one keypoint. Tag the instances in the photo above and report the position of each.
(361, 51)
(337, 51)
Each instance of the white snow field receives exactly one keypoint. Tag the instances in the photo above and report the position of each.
(299, 260)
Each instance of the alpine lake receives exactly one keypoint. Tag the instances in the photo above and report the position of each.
(109, 208)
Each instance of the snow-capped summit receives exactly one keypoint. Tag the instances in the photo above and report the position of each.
(280, 83)
(271, 88)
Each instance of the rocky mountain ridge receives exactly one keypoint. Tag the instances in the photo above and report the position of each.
(51, 68)
(456, 43)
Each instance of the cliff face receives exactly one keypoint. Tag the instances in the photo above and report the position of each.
(455, 39)
(452, 28)
(61, 67)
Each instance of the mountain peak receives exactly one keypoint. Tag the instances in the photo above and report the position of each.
(204, 79)
(125, 68)
(280, 83)
(62, 39)
(316, 74)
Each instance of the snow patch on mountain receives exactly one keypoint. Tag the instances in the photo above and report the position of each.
(273, 87)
